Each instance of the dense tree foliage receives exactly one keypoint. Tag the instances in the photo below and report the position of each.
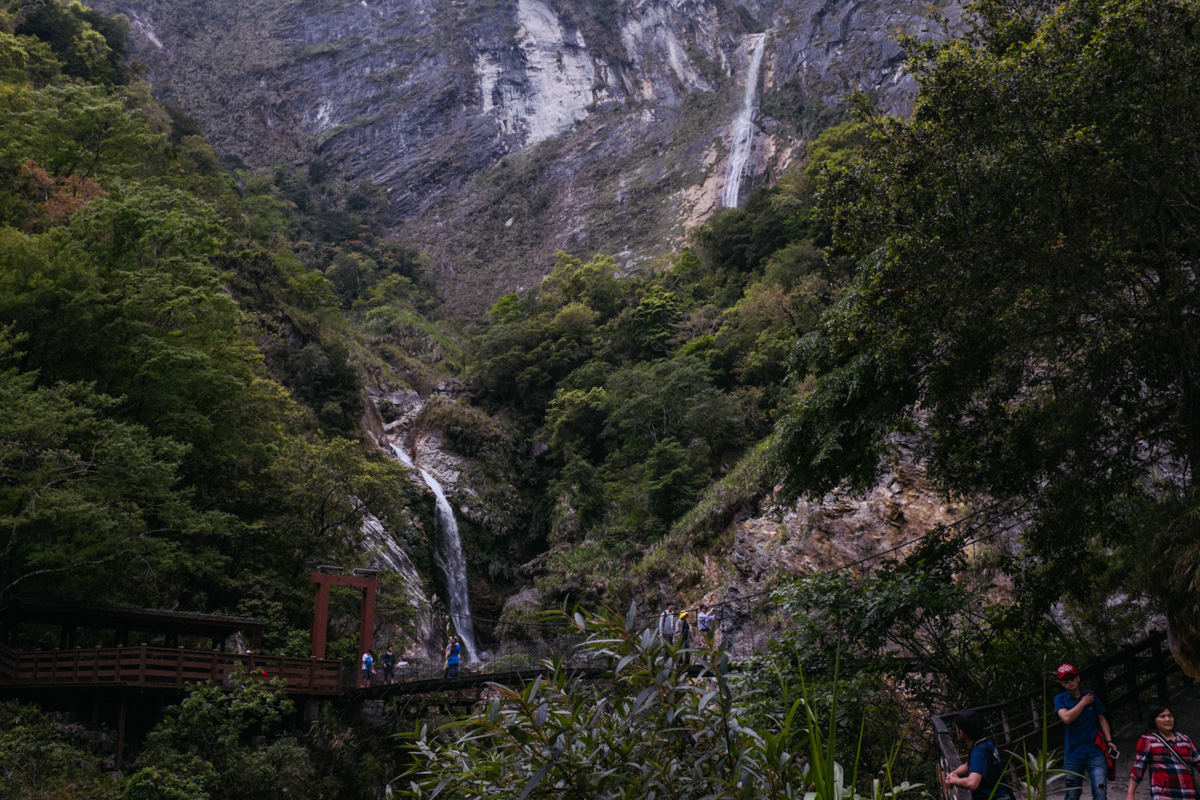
(647, 388)
(184, 348)
(1026, 297)
(39, 758)
(893, 643)
(174, 376)
(234, 742)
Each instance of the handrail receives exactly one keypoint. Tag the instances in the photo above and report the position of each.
(526, 656)
(165, 667)
(161, 667)
(1014, 723)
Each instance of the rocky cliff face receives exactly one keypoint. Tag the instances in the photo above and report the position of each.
(835, 532)
(504, 130)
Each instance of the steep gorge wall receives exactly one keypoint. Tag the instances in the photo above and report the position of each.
(504, 130)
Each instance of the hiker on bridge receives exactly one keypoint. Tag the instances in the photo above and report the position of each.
(667, 624)
(453, 651)
(389, 665)
(683, 638)
(1089, 742)
(982, 773)
(1171, 758)
(368, 667)
(706, 622)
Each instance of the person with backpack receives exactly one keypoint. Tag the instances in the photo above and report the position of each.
(453, 650)
(1170, 757)
(982, 773)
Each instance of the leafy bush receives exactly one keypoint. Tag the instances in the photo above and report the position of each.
(226, 744)
(37, 760)
(652, 731)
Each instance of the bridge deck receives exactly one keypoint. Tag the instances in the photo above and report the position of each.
(470, 680)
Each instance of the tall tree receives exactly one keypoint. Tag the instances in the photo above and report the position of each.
(89, 505)
(1027, 288)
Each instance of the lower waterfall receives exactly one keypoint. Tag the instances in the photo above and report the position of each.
(450, 559)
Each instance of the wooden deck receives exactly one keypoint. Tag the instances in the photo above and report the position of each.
(161, 668)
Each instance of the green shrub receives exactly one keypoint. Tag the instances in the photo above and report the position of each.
(37, 760)
(652, 731)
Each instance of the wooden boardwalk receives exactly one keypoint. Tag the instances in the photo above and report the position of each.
(168, 668)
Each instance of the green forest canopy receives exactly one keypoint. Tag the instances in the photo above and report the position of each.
(165, 442)
(1026, 301)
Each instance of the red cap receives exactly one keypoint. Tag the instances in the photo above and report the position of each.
(1064, 671)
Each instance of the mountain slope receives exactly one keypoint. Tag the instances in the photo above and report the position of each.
(505, 130)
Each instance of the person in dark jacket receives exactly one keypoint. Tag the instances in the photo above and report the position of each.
(683, 637)
(389, 665)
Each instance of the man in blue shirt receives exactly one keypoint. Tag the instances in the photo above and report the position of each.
(1083, 714)
(982, 773)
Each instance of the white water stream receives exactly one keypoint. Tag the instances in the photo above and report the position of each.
(744, 127)
(450, 559)
(389, 556)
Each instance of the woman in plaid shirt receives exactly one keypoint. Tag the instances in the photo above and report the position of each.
(1170, 756)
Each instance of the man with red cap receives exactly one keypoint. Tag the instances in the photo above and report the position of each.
(1082, 712)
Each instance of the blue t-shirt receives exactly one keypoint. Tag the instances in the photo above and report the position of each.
(1081, 734)
(454, 651)
(985, 759)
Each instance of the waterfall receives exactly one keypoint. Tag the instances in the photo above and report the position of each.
(450, 559)
(390, 557)
(744, 128)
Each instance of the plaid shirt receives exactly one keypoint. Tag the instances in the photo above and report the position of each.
(1169, 779)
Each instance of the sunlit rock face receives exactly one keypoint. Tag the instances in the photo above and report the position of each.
(1184, 640)
(522, 126)
(548, 82)
(835, 532)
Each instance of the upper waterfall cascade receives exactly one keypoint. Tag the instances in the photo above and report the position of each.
(450, 559)
(744, 127)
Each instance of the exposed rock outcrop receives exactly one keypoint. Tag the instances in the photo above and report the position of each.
(837, 531)
(1184, 629)
(832, 533)
(614, 109)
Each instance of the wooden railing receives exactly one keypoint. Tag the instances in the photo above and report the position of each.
(1122, 681)
(161, 667)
